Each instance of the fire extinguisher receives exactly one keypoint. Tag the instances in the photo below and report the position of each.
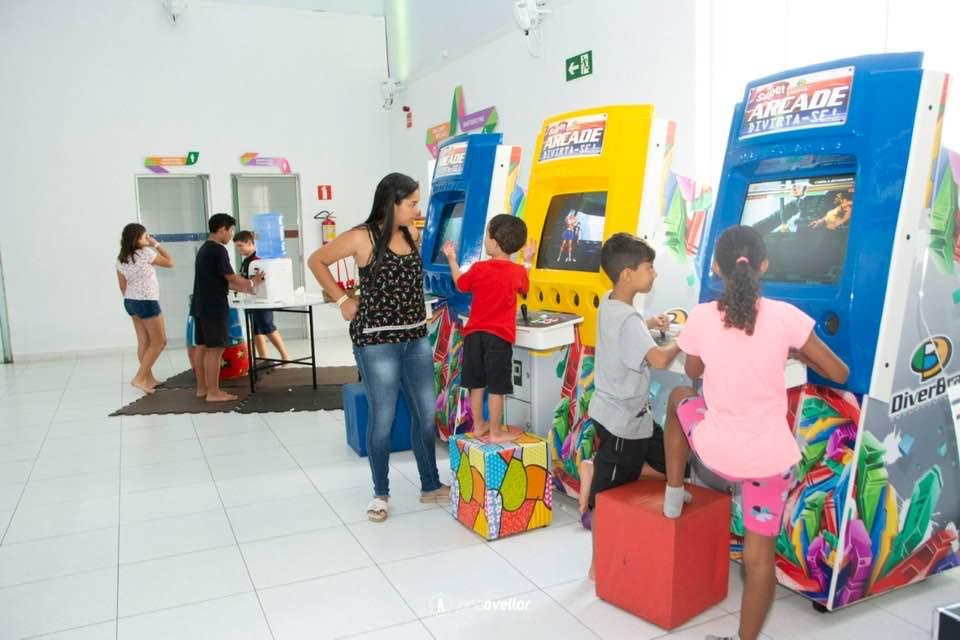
(328, 231)
(328, 228)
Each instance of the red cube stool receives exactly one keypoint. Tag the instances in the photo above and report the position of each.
(664, 571)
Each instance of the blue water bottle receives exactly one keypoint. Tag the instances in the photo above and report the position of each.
(268, 228)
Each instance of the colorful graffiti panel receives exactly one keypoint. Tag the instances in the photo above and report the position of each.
(453, 401)
(844, 493)
(572, 436)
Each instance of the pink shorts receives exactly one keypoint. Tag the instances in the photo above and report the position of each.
(763, 498)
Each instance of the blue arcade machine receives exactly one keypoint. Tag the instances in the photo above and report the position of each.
(839, 166)
(474, 179)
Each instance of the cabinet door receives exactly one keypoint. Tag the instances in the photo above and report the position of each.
(516, 413)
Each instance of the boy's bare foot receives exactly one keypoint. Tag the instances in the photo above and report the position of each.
(221, 397)
(480, 427)
(504, 433)
(152, 382)
(142, 385)
(592, 574)
(201, 393)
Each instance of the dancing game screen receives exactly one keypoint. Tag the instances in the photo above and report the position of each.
(805, 224)
(573, 232)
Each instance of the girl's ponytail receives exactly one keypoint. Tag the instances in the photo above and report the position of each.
(739, 253)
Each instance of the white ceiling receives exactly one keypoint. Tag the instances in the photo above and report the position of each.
(361, 7)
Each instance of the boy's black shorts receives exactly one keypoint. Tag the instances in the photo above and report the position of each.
(213, 330)
(619, 461)
(487, 363)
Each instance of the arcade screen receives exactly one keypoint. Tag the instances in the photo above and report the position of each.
(451, 225)
(573, 232)
(805, 224)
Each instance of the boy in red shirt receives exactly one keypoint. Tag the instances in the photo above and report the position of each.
(492, 327)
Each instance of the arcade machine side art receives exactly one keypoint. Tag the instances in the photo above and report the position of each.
(475, 178)
(856, 207)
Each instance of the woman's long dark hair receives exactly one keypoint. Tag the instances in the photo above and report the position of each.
(392, 190)
(739, 253)
(128, 241)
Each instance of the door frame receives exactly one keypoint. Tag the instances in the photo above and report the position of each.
(235, 211)
(5, 348)
(235, 208)
(208, 203)
(164, 176)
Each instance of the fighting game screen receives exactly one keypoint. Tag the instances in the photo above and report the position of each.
(805, 224)
(451, 225)
(573, 232)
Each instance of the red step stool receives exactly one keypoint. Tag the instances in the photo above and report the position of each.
(664, 571)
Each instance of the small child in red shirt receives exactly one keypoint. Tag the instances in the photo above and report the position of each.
(492, 327)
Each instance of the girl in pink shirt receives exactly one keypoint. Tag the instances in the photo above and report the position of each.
(738, 428)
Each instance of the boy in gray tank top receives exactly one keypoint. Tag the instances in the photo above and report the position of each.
(625, 353)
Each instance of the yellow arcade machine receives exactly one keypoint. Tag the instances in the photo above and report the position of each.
(596, 172)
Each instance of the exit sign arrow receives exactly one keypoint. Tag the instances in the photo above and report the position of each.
(579, 66)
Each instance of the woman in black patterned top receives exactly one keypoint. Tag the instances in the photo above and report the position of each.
(388, 327)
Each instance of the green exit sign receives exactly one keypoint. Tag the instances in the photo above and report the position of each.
(579, 65)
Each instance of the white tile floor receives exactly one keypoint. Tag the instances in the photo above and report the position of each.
(252, 527)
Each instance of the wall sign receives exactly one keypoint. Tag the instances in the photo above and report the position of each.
(579, 66)
(809, 101)
(574, 137)
(325, 192)
(484, 120)
(157, 164)
(451, 160)
(256, 160)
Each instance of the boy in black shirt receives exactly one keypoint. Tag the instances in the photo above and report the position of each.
(263, 326)
(213, 277)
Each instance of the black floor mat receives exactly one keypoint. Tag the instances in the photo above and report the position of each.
(186, 380)
(276, 399)
(286, 389)
(300, 376)
(166, 401)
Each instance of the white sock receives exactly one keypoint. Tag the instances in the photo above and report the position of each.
(673, 499)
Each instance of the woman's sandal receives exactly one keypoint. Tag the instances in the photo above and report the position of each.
(377, 510)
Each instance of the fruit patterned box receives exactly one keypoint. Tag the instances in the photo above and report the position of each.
(501, 488)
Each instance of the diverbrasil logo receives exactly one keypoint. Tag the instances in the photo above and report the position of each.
(929, 360)
(931, 357)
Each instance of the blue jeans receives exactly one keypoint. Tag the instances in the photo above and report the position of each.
(387, 369)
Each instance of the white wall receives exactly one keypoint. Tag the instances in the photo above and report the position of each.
(749, 39)
(423, 35)
(644, 52)
(87, 93)
(361, 7)
(692, 59)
